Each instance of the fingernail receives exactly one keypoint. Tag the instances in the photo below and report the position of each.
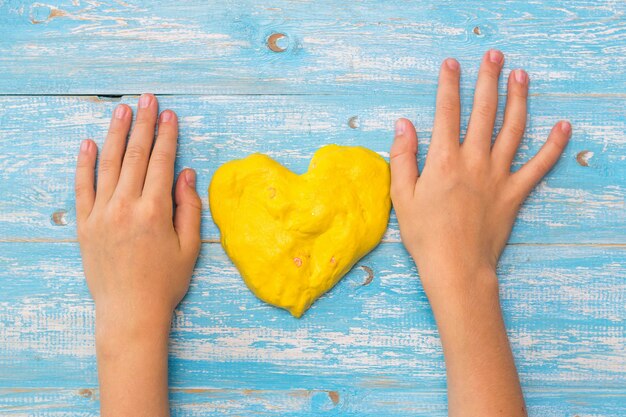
(166, 116)
(120, 112)
(144, 101)
(566, 128)
(190, 177)
(84, 145)
(400, 126)
(495, 56)
(452, 63)
(521, 76)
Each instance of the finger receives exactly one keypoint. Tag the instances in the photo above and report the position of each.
(535, 169)
(403, 160)
(161, 166)
(84, 180)
(138, 148)
(508, 140)
(112, 152)
(188, 213)
(446, 128)
(483, 118)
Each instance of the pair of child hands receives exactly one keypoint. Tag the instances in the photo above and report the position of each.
(455, 218)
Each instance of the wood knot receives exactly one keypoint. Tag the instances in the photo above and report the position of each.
(353, 122)
(370, 275)
(583, 158)
(277, 42)
(58, 218)
(476, 30)
(334, 397)
(85, 393)
(40, 13)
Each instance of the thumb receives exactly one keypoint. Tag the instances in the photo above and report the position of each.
(402, 159)
(188, 210)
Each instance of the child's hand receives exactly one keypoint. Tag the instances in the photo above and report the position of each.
(455, 218)
(138, 254)
(137, 257)
(458, 213)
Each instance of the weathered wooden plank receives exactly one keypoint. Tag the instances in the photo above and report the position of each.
(382, 401)
(111, 47)
(564, 307)
(581, 201)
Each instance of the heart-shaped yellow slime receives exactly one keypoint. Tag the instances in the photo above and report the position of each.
(293, 237)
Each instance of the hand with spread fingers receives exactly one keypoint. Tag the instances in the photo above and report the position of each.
(455, 218)
(138, 251)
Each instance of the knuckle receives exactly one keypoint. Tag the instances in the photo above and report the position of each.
(542, 165)
(445, 159)
(476, 164)
(195, 202)
(518, 92)
(81, 190)
(107, 165)
(116, 129)
(119, 210)
(161, 157)
(144, 121)
(491, 72)
(557, 146)
(152, 210)
(516, 129)
(83, 163)
(447, 106)
(484, 109)
(134, 153)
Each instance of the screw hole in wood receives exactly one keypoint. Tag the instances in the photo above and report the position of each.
(58, 218)
(277, 42)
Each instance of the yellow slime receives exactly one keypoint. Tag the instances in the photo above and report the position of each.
(293, 237)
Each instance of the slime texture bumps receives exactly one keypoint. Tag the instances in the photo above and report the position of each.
(293, 237)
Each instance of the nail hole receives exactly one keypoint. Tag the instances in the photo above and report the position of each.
(583, 158)
(370, 275)
(42, 13)
(476, 30)
(353, 122)
(334, 397)
(277, 42)
(85, 393)
(58, 218)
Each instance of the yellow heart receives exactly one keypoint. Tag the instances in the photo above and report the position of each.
(293, 237)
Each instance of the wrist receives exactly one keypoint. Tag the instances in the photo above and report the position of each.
(121, 329)
(132, 355)
(459, 284)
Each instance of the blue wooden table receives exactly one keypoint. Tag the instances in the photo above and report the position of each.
(285, 77)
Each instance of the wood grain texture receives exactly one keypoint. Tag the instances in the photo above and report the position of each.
(283, 78)
(374, 344)
(196, 402)
(569, 47)
(574, 204)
